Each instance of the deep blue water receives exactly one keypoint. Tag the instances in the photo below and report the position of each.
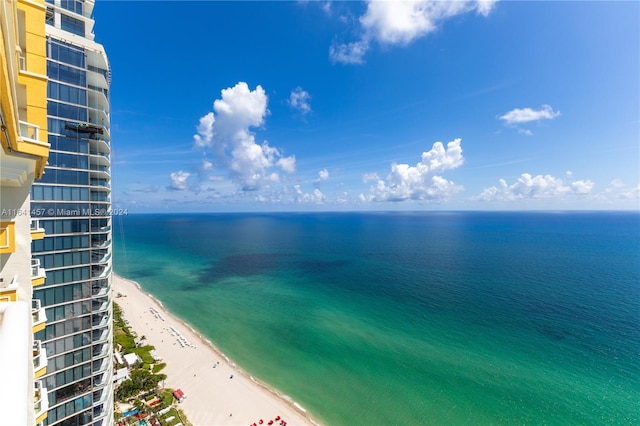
(465, 318)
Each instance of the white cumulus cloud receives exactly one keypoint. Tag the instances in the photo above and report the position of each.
(526, 115)
(179, 181)
(401, 22)
(315, 197)
(323, 175)
(422, 181)
(299, 100)
(539, 186)
(227, 131)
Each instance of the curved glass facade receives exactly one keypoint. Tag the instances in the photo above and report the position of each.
(76, 250)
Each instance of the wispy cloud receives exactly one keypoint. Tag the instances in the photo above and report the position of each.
(400, 23)
(299, 100)
(526, 115)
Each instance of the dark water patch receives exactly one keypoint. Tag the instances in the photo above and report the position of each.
(237, 265)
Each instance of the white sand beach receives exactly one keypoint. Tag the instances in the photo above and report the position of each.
(212, 396)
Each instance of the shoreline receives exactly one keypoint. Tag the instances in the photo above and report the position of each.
(245, 399)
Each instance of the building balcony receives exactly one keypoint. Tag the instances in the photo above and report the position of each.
(102, 380)
(102, 124)
(37, 232)
(101, 337)
(40, 402)
(38, 315)
(101, 366)
(98, 107)
(104, 351)
(100, 257)
(100, 183)
(100, 271)
(100, 244)
(100, 291)
(97, 79)
(98, 95)
(100, 229)
(99, 114)
(96, 152)
(101, 307)
(101, 396)
(39, 359)
(8, 290)
(97, 169)
(38, 274)
(97, 137)
(103, 322)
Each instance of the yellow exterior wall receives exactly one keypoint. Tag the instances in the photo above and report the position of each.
(34, 78)
(7, 237)
(6, 91)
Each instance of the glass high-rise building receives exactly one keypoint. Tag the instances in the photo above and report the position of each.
(73, 202)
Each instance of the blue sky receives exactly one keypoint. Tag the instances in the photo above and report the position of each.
(261, 106)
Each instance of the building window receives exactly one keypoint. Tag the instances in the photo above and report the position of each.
(72, 5)
(67, 53)
(73, 25)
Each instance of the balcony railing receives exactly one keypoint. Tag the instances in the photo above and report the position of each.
(98, 168)
(98, 107)
(101, 291)
(100, 182)
(102, 323)
(29, 131)
(38, 314)
(103, 380)
(40, 401)
(100, 353)
(35, 226)
(101, 337)
(101, 244)
(104, 306)
(36, 271)
(99, 367)
(102, 154)
(100, 257)
(11, 285)
(100, 229)
(39, 359)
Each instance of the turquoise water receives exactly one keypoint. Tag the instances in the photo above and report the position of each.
(407, 318)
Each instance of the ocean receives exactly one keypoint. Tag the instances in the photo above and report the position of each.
(410, 318)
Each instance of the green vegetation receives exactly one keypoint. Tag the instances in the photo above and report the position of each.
(158, 367)
(143, 385)
(166, 396)
(143, 353)
(140, 381)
